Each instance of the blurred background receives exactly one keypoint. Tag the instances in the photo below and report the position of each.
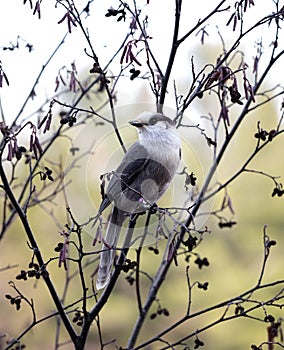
(235, 254)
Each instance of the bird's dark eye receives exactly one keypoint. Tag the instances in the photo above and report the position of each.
(153, 121)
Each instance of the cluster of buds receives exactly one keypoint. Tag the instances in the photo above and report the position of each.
(71, 74)
(46, 174)
(35, 145)
(33, 272)
(220, 75)
(191, 242)
(63, 249)
(59, 79)
(275, 329)
(13, 46)
(73, 81)
(130, 279)
(240, 8)
(239, 310)
(128, 265)
(160, 311)
(46, 120)
(198, 343)
(128, 55)
(226, 224)
(78, 318)
(69, 18)
(190, 179)
(14, 300)
(203, 286)
(69, 119)
(37, 9)
(96, 69)
(14, 150)
(234, 92)
(12, 145)
(201, 262)
(134, 73)
(103, 80)
(263, 134)
(277, 191)
(155, 250)
(111, 12)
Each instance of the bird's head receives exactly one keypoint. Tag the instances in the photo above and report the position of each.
(155, 130)
(152, 122)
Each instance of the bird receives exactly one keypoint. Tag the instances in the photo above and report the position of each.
(142, 177)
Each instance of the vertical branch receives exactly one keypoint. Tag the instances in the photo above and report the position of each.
(103, 74)
(138, 260)
(33, 243)
(175, 44)
(109, 288)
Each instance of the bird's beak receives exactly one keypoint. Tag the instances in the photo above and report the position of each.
(138, 123)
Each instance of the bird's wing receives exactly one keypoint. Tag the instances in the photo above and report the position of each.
(133, 164)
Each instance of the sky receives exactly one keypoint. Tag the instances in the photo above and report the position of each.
(44, 34)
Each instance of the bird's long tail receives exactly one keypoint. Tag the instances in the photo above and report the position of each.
(108, 249)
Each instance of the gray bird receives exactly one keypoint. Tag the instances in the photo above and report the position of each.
(142, 177)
